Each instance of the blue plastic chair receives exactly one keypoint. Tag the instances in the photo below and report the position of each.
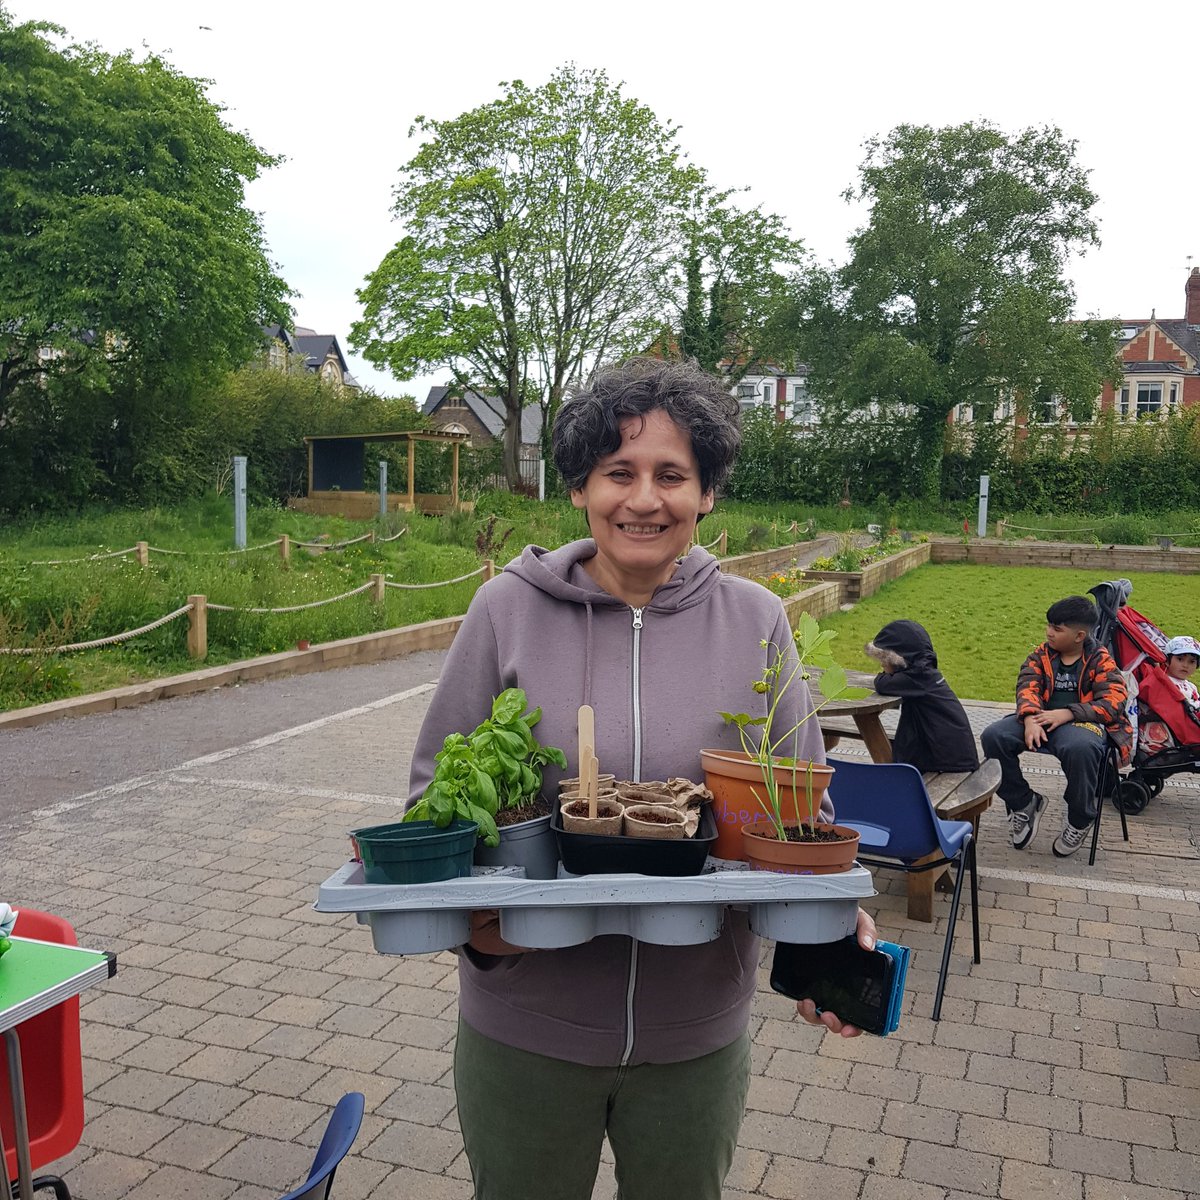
(899, 829)
(339, 1137)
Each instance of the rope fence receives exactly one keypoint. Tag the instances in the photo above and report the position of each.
(95, 643)
(413, 587)
(284, 542)
(1036, 529)
(358, 591)
(63, 562)
(198, 607)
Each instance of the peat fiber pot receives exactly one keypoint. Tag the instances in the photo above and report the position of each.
(765, 852)
(730, 775)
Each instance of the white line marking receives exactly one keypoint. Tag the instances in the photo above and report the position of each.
(291, 793)
(130, 785)
(272, 738)
(1087, 884)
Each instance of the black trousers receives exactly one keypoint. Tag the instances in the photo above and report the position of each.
(1079, 748)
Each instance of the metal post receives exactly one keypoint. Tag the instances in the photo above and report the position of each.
(983, 499)
(541, 479)
(239, 502)
(383, 487)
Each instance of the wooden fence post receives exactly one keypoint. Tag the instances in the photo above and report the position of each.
(370, 537)
(285, 548)
(723, 543)
(197, 638)
(1000, 529)
(378, 590)
(143, 554)
(489, 569)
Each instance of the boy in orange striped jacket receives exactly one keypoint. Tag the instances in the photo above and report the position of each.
(1070, 696)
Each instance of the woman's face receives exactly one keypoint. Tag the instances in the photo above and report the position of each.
(642, 502)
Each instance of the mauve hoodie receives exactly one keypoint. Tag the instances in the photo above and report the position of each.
(656, 677)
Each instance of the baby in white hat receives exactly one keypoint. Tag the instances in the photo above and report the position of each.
(1183, 658)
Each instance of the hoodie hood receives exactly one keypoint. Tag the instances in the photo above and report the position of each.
(560, 573)
(910, 641)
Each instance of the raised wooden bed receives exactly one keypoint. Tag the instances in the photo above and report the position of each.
(1112, 561)
(858, 585)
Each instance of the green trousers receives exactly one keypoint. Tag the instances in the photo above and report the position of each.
(533, 1126)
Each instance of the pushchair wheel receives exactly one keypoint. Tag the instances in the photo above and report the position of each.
(1131, 796)
(1155, 784)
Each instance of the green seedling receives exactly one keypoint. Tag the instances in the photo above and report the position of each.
(498, 765)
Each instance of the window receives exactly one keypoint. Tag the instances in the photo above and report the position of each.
(803, 408)
(1174, 401)
(747, 395)
(1045, 408)
(1125, 401)
(1149, 397)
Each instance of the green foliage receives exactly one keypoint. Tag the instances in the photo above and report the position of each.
(733, 283)
(985, 620)
(956, 285)
(501, 206)
(813, 648)
(165, 454)
(498, 765)
(127, 245)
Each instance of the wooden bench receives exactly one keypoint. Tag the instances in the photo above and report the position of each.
(956, 796)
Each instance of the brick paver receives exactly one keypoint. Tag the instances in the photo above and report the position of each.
(1065, 1065)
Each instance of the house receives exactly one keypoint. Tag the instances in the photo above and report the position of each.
(785, 392)
(320, 352)
(458, 410)
(1160, 372)
(1160, 361)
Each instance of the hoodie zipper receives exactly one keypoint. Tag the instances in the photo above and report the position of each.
(637, 775)
(637, 695)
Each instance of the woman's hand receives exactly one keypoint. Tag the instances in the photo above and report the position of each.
(865, 932)
(485, 934)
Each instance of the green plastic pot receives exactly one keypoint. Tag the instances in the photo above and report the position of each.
(416, 851)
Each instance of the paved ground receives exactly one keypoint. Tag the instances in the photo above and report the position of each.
(1065, 1064)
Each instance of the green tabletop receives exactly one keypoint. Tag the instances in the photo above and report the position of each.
(35, 976)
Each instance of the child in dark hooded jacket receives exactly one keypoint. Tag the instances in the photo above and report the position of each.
(934, 733)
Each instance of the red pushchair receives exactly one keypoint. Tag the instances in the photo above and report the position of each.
(1139, 648)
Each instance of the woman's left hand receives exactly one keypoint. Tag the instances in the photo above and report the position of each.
(865, 933)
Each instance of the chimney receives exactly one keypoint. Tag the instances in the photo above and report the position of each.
(1192, 291)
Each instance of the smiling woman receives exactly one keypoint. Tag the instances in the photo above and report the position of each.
(557, 1049)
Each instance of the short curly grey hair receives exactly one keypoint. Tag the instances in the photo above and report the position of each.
(588, 425)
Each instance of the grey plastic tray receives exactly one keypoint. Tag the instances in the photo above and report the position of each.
(552, 913)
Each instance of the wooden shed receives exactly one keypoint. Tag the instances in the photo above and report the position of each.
(336, 474)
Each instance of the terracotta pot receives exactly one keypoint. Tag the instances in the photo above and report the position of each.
(608, 820)
(765, 852)
(731, 774)
(664, 831)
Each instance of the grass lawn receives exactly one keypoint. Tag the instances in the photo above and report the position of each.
(985, 620)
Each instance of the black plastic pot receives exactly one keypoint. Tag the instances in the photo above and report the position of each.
(595, 854)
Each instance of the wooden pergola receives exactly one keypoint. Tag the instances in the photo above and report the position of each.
(336, 475)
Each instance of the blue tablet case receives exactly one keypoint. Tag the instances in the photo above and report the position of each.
(900, 956)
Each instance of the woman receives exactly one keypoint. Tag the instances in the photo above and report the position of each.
(647, 1044)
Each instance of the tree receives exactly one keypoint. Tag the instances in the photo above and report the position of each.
(129, 254)
(955, 288)
(539, 238)
(733, 283)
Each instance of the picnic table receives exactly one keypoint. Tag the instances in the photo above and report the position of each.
(957, 796)
(858, 719)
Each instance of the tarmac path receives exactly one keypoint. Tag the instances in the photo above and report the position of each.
(64, 761)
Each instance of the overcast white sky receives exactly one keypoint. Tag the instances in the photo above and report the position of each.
(778, 96)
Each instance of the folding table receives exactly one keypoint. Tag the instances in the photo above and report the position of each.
(34, 977)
